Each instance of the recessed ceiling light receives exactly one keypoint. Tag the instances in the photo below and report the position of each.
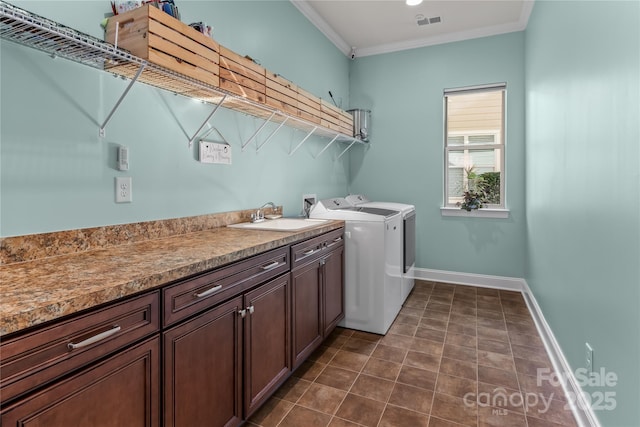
(413, 2)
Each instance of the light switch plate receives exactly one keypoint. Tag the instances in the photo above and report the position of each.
(123, 158)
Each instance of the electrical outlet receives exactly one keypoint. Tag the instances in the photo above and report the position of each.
(308, 200)
(588, 357)
(123, 189)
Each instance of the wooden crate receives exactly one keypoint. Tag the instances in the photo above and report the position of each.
(153, 35)
(309, 107)
(165, 81)
(241, 76)
(335, 118)
(282, 94)
(346, 123)
(247, 108)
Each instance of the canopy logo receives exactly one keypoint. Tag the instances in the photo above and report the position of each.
(501, 399)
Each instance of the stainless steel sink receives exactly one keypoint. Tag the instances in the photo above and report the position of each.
(281, 224)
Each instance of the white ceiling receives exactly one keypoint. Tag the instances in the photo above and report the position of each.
(372, 27)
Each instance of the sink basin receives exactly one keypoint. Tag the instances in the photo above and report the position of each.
(281, 224)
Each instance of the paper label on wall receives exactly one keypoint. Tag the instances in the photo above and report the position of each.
(213, 152)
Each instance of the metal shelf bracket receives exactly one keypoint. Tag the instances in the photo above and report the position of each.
(258, 130)
(303, 140)
(272, 134)
(347, 149)
(328, 145)
(215, 109)
(101, 131)
(58, 41)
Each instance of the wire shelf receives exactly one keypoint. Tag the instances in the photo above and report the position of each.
(28, 29)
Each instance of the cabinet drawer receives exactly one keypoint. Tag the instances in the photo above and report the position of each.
(334, 239)
(196, 294)
(311, 249)
(121, 390)
(36, 358)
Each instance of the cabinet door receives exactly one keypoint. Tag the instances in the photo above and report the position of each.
(306, 286)
(203, 369)
(333, 278)
(267, 341)
(120, 391)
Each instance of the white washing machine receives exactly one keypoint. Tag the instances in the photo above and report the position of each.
(373, 289)
(408, 246)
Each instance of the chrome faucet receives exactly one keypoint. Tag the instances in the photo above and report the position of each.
(273, 206)
(259, 215)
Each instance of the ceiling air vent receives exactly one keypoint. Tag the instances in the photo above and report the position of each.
(421, 20)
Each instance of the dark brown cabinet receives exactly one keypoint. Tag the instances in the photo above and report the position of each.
(211, 354)
(120, 391)
(76, 371)
(240, 345)
(306, 285)
(220, 366)
(203, 369)
(317, 282)
(267, 341)
(333, 286)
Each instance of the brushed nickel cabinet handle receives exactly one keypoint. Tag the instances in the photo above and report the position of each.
(309, 252)
(242, 313)
(208, 292)
(251, 309)
(274, 264)
(95, 338)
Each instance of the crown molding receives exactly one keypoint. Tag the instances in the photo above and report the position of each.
(322, 25)
(344, 47)
(446, 38)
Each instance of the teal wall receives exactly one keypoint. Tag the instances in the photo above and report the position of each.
(404, 162)
(583, 158)
(57, 174)
(576, 237)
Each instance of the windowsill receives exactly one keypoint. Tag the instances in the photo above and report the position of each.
(478, 213)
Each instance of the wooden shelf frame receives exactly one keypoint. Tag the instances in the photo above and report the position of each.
(28, 29)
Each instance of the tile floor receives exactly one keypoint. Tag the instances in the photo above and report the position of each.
(455, 355)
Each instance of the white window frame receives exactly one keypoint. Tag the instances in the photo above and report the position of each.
(490, 210)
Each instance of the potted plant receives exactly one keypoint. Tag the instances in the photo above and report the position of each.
(471, 200)
(474, 196)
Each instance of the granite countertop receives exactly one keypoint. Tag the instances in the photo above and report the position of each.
(44, 289)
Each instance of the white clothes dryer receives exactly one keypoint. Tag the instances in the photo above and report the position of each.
(373, 287)
(408, 247)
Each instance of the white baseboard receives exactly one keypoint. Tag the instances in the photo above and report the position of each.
(581, 409)
(480, 280)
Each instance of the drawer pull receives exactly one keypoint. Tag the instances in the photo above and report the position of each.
(273, 265)
(337, 239)
(309, 252)
(208, 292)
(95, 338)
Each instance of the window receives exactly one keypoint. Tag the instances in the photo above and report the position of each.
(474, 144)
